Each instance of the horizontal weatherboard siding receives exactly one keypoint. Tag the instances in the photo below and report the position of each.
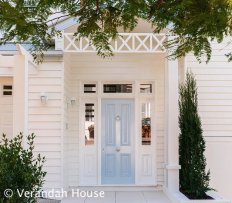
(214, 81)
(45, 120)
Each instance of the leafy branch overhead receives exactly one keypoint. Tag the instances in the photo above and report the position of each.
(195, 23)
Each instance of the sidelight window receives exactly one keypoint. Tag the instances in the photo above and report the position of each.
(146, 124)
(89, 123)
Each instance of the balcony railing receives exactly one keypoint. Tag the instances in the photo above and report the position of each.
(125, 43)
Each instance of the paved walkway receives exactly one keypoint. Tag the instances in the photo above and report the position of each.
(123, 197)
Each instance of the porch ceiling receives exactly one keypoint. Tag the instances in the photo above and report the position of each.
(74, 59)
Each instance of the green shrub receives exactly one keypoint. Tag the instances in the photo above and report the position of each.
(20, 170)
(194, 180)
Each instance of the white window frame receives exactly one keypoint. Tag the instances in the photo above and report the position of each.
(139, 98)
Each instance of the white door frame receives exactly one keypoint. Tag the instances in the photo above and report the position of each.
(138, 148)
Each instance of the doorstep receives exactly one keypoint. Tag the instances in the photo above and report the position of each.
(121, 195)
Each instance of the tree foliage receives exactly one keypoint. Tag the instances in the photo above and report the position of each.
(194, 22)
(20, 170)
(194, 180)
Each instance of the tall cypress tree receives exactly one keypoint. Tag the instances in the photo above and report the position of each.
(194, 180)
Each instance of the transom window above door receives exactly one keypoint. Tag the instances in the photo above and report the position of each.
(94, 89)
(90, 88)
(117, 88)
(145, 88)
(7, 90)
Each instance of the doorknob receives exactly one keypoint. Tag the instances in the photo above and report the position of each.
(118, 149)
(103, 150)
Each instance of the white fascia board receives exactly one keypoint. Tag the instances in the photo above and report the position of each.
(8, 53)
(24, 52)
(66, 23)
(53, 53)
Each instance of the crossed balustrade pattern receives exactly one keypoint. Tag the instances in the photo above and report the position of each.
(124, 43)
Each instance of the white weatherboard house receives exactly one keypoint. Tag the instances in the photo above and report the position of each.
(114, 122)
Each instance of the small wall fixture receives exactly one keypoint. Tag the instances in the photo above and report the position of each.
(43, 98)
(73, 101)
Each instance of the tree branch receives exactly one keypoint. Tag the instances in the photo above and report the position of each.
(97, 4)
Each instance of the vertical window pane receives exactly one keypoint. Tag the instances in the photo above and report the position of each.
(89, 124)
(146, 124)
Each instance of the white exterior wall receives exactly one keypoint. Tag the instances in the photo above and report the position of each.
(66, 139)
(12, 70)
(46, 120)
(214, 82)
(73, 126)
(6, 109)
(7, 64)
(123, 67)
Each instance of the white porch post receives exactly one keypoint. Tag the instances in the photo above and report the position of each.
(20, 98)
(172, 129)
(19, 106)
(59, 43)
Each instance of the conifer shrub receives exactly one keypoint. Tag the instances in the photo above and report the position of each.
(194, 180)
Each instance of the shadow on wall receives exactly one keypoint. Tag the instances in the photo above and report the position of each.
(218, 151)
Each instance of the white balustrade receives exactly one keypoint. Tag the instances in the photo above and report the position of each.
(124, 43)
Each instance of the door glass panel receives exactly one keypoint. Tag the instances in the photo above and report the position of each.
(117, 88)
(89, 124)
(145, 88)
(146, 124)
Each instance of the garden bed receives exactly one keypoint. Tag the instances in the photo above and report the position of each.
(214, 198)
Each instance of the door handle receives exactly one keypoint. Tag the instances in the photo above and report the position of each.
(118, 149)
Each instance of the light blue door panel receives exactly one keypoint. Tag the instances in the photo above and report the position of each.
(125, 164)
(125, 125)
(110, 165)
(110, 138)
(117, 142)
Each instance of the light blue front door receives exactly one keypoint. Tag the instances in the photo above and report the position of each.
(117, 142)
